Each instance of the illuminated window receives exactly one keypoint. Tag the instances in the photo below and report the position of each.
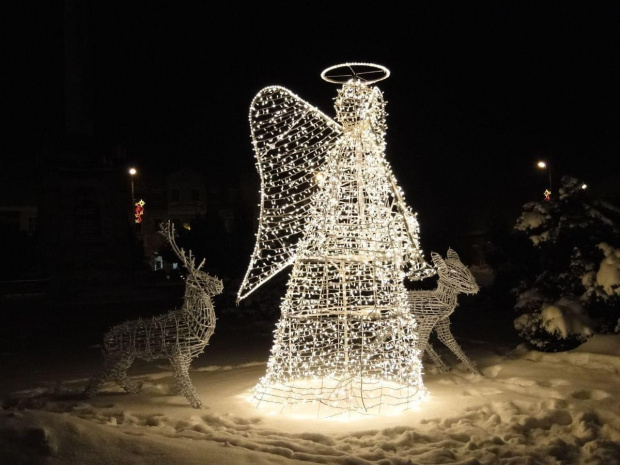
(158, 262)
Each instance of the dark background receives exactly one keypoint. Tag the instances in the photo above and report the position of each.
(478, 92)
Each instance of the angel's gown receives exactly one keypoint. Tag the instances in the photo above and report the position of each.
(346, 339)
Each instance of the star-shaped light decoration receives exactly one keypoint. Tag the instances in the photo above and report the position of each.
(139, 210)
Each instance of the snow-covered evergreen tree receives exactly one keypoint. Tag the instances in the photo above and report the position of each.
(573, 290)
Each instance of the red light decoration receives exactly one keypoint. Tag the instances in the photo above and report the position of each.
(139, 211)
(547, 194)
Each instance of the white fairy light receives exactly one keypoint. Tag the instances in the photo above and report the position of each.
(331, 207)
(432, 308)
(179, 335)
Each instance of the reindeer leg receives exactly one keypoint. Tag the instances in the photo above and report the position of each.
(97, 381)
(445, 336)
(120, 374)
(114, 367)
(93, 387)
(180, 364)
(425, 326)
(441, 366)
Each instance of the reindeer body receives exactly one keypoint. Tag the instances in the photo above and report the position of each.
(179, 335)
(432, 308)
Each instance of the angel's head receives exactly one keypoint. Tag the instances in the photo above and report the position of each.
(358, 103)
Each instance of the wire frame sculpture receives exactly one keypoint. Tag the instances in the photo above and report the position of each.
(331, 208)
(179, 335)
(432, 308)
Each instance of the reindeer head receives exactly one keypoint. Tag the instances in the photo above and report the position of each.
(195, 276)
(210, 284)
(454, 274)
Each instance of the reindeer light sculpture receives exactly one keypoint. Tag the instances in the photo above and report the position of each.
(179, 335)
(432, 308)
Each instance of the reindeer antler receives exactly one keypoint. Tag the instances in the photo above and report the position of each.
(167, 230)
(452, 254)
(189, 261)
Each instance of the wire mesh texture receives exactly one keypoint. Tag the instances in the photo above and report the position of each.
(179, 335)
(331, 208)
(432, 308)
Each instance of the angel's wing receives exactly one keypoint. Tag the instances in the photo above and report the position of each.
(291, 140)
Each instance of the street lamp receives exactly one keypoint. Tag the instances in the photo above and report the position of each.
(543, 166)
(132, 173)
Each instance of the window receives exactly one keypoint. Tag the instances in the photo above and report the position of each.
(175, 195)
(195, 195)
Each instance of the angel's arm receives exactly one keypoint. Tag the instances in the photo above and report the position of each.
(406, 230)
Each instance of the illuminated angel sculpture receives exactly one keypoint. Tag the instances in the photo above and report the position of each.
(331, 208)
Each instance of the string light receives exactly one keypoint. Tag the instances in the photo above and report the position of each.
(139, 211)
(331, 208)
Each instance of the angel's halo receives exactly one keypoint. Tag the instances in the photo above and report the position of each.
(361, 71)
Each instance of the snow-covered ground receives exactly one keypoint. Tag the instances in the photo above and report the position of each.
(528, 408)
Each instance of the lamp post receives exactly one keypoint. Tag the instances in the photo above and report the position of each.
(132, 173)
(544, 166)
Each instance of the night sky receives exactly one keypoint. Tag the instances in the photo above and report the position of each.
(477, 93)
